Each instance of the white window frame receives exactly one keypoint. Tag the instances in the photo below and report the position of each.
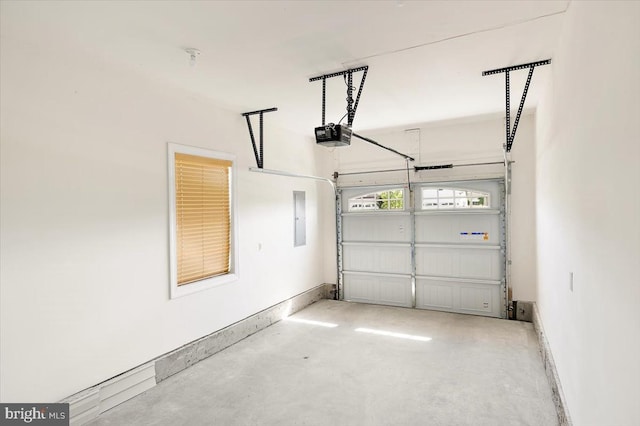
(360, 211)
(207, 283)
(421, 199)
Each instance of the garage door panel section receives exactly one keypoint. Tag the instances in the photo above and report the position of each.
(371, 257)
(476, 298)
(377, 227)
(458, 227)
(377, 233)
(377, 288)
(459, 261)
(433, 295)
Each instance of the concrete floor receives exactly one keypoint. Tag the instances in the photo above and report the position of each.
(473, 371)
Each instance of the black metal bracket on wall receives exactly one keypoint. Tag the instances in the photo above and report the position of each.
(352, 105)
(258, 153)
(511, 133)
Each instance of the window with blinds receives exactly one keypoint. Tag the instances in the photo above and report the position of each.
(202, 234)
(203, 223)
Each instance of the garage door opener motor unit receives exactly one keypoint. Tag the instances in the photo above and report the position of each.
(333, 135)
(339, 134)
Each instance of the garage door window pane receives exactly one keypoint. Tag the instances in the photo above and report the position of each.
(445, 193)
(453, 198)
(387, 200)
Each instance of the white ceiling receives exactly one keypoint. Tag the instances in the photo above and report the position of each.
(425, 57)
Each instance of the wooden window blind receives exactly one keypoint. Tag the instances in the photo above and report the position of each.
(203, 217)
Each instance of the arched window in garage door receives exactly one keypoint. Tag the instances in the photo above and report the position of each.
(433, 198)
(386, 200)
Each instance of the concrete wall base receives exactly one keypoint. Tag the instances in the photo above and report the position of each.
(184, 357)
(550, 368)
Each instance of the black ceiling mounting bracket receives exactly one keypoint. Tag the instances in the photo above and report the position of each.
(352, 105)
(511, 132)
(258, 152)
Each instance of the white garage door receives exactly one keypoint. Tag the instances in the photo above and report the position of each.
(444, 251)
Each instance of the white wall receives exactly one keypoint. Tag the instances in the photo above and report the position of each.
(84, 219)
(475, 139)
(588, 212)
(522, 208)
(468, 140)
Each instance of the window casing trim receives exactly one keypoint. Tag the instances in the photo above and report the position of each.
(452, 199)
(207, 283)
(369, 205)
